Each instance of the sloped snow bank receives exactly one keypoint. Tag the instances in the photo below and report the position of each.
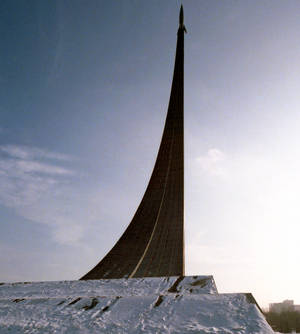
(109, 287)
(152, 305)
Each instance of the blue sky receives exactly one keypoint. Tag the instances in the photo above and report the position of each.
(84, 93)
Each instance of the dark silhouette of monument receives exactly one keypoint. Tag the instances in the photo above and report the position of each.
(153, 243)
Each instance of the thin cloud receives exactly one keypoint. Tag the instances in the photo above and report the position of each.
(15, 151)
(17, 167)
(23, 181)
(212, 162)
(37, 167)
(47, 193)
(39, 190)
(27, 153)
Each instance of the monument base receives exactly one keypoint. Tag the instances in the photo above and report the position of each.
(189, 304)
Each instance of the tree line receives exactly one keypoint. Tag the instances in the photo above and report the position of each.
(285, 321)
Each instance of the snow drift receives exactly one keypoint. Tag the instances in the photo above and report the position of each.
(140, 305)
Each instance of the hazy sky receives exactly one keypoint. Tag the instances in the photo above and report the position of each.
(84, 89)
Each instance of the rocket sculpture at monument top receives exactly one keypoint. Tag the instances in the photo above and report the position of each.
(153, 243)
(181, 18)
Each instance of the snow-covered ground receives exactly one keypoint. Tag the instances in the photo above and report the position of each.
(109, 287)
(150, 305)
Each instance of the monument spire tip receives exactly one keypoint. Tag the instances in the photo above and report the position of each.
(181, 19)
(181, 16)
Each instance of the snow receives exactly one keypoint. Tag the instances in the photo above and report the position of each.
(108, 287)
(148, 305)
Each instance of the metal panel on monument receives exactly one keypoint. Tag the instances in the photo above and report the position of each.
(153, 243)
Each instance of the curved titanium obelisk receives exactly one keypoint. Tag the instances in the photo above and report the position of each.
(153, 243)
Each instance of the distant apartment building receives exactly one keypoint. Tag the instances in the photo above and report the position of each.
(286, 305)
